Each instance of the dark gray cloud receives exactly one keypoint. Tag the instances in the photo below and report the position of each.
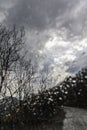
(42, 14)
(37, 13)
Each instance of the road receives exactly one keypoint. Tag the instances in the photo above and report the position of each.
(75, 119)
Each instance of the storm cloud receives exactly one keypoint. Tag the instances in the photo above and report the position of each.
(42, 14)
(36, 13)
(56, 31)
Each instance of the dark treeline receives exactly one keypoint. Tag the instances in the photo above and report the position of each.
(74, 89)
(71, 92)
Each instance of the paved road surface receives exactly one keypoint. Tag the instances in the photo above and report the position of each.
(75, 119)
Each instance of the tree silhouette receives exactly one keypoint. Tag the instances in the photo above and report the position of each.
(11, 44)
(74, 89)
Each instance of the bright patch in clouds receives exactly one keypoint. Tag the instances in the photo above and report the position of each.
(63, 52)
(55, 40)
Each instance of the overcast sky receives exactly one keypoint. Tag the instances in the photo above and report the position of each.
(56, 32)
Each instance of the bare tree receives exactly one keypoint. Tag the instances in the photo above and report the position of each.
(23, 80)
(11, 44)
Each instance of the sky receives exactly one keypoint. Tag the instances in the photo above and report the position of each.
(56, 32)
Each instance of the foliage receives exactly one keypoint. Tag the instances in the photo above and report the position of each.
(74, 89)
